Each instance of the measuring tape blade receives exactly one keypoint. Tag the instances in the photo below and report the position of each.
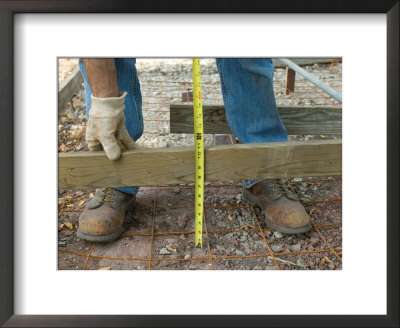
(199, 152)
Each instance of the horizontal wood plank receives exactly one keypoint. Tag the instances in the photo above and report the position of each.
(297, 120)
(306, 61)
(145, 167)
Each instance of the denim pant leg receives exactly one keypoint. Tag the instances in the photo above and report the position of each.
(248, 93)
(129, 82)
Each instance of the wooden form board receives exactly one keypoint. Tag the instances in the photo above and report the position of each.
(297, 120)
(69, 87)
(306, 61)
(145, 167)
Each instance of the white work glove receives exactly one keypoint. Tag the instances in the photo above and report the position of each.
(106, 127)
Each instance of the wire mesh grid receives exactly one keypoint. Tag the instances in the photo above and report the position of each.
(158, 94)
(153, 231)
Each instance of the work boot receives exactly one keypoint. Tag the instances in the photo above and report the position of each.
(102, 219)
(281, 208)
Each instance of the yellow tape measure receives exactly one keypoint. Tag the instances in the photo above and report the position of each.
(199, 152)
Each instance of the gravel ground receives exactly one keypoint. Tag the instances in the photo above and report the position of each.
(65, 67)
(159, 227)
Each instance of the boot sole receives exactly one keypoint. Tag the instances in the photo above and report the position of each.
(99, 239)
(249, 199)
(107, 238)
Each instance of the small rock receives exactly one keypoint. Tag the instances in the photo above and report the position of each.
(297, 179)
(239, 253)
(310, 263)
(331, 265)
(177, 191)
(300, 261)
(243, 238)
(260, 243)
(238, 199)
(220, 248)
(182, 237)
(164, 251)
(171, 241)
(276, 248)
(169, 204)
(278, 235)
(183, 220)
(221, 224)
(188, 256)
(295, 248)
(314, 241)
(326, 213)
(246, 246)
(62, 244)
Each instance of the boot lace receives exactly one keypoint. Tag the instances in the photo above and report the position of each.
(107, 195)
(278, 188)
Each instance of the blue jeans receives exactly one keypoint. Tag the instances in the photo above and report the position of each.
(247, 90)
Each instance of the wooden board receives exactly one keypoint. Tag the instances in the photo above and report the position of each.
(306, 61)
(145, 167)
(297, 120)
(69, 87)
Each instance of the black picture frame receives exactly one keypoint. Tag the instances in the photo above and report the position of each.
(8, 200)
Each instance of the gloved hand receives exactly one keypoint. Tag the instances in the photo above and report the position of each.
(106, 127)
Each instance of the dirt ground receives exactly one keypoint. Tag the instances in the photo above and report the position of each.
(159, 231)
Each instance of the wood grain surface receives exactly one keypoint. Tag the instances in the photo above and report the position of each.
(297, 120)
(145, 167)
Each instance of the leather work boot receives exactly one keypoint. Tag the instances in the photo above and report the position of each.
(281, 208)
(102, 219)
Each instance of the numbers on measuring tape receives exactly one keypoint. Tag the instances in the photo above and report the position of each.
(199, 150)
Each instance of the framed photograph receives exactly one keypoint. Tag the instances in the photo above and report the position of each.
(54, 273)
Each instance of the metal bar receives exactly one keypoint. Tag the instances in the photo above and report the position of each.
(290, 80)
(318, 83)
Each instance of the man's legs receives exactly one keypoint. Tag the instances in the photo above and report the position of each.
(252, 114)
(102, 219)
